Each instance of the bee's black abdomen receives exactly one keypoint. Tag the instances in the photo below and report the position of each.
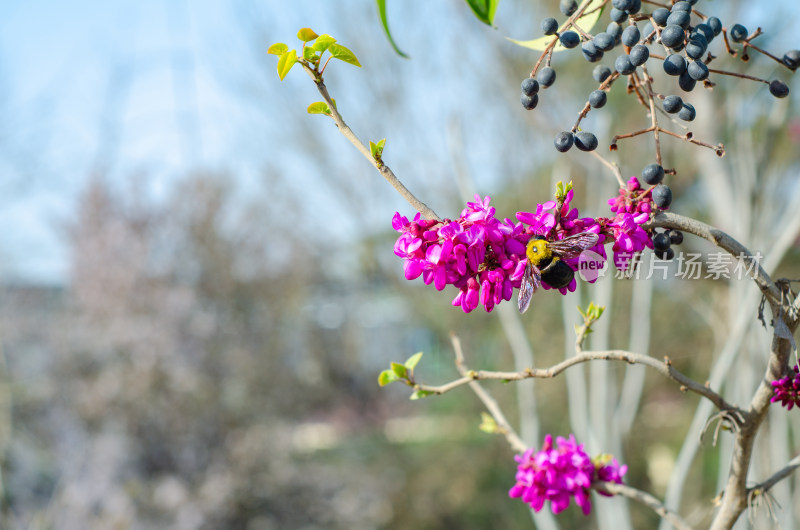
(559, 275)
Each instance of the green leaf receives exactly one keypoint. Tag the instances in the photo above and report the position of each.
(306, 34)
(386, 377)
(376, 150)
(586, 23)
(310, 55)
(278, 48)
(385, 22)
(319, 107)
(412, 361)
(488, 424)
(286, 62)
(322, 42)
(400, 370)
(484, 9)
(419, 394)
(343, 54)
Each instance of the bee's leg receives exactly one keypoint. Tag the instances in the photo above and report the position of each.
(549, 265)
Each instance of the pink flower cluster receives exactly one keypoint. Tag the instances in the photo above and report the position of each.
(633, 207)
(557, 474)
(787, 390)
(477, 253)
(483, 257)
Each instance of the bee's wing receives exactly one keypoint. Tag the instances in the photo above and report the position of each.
(531, 281)
(572, 246)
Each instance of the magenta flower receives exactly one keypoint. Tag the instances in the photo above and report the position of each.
(787, 390)
(560, 474)
(478, 254)
(483, 257)
(633, 207)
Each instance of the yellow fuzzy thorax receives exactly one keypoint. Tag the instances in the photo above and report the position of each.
(538, 252)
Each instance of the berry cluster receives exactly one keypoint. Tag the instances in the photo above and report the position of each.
(678, 37)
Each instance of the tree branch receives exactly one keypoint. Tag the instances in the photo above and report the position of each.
(723, 241)
(382, 168)
(663, 367)
(762, 487)
(643, 498)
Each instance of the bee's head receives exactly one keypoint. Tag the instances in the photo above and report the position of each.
(537, 250)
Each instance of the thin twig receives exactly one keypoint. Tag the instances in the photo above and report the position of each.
(763, 487)
(663, 367)
(382, 168)
(489, 402)
(644, 498)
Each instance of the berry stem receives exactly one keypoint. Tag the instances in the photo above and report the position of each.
(611, 166)
(719, 149)
(653, 119)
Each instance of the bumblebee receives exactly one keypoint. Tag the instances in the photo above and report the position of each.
(546, 262)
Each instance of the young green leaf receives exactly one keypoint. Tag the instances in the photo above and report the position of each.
(400, 370)
(488, 424)
(278, 48)
(385, 22)
(419, 394)
(286, 62)
(306, 34)
(310, 55)
(322, 42)
(376, 150)
(412, 361)
(319, 107)
(386, 377)
(586, 23)
(343, 54)
(484, 9)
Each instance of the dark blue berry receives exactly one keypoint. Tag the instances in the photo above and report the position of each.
(563, 141)
(585, 141)
(615, 30)
(686, 82)
(653, 174)
(778, 88)
(591, 52)
(630, 36)
(675, 236)
(647, 31)
(661, 242)
(549, 26)
(601, 73)
(637, 5)
(597, 99)
(618, 15)
(674, 64)
(672, 104)
(704, 30)
(666, 255)
(738, 33)
(679, 18)
(569, 39)
(662, 196)
(687, 112)
(695, 49)
(681, 6)
(529, 86)
(672, 36)
(715, 24)
(660, 16)
(603, 41)
(546, 76)
(568, 7)
(639, 55)
(622, 5)
(697, 71)
(624, 65)
(529, 102)
(792, 59)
